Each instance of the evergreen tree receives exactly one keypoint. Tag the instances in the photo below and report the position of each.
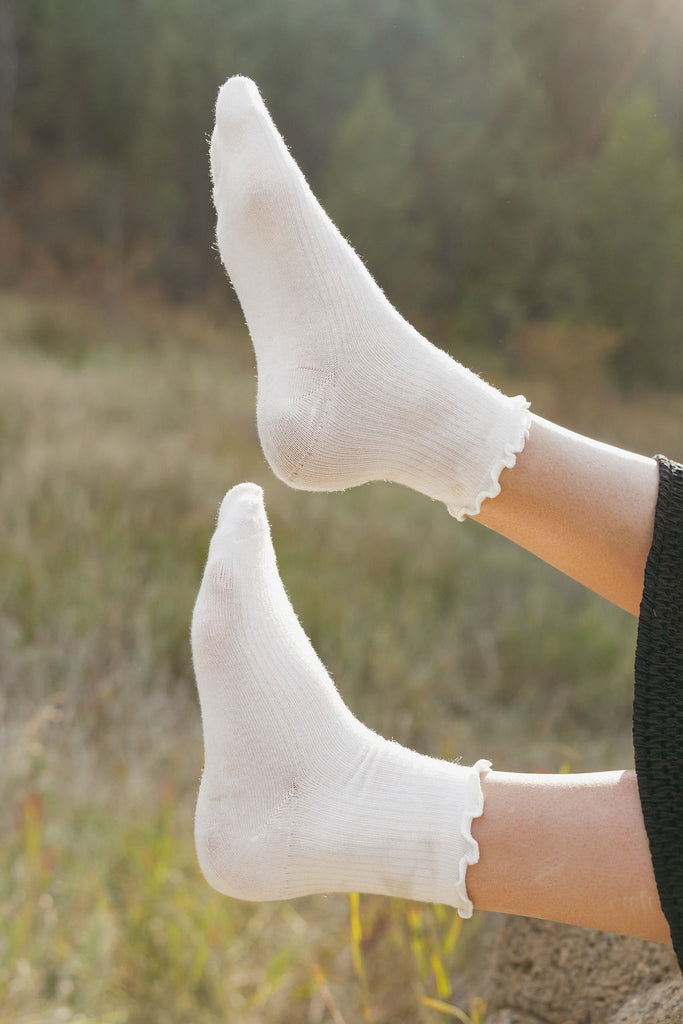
(633, 243)
(371, 189)
(500, 164)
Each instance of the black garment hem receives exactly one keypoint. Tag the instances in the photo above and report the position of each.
(658, 699)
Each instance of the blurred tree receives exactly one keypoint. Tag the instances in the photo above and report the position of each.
(494, 164)
(371, 189)
(9, 62)
(632, 248)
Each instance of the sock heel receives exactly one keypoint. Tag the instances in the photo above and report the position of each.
(290, 422)
(243, 863)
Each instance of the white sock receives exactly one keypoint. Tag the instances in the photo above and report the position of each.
(348, 391)
(298, 796)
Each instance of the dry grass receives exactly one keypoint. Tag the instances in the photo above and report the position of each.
(119, 433)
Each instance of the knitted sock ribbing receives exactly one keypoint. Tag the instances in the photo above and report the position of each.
(297, 796)
(348, 391)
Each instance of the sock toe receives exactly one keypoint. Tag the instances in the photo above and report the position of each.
(240, 113)
(238, 100)
(241, 519)
(241, 501)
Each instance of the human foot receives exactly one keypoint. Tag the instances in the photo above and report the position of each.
(297, 796)
(348, 391)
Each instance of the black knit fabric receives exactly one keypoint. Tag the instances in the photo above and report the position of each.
(658, 698)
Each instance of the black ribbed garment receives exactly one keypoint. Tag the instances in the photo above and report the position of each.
(658, 698)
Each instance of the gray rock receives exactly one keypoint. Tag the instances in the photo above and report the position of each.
(662, 1004)
(545, 973)
(510, 1017)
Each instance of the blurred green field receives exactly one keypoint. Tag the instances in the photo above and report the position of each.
(120, 430)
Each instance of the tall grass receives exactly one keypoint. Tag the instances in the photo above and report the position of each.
(119, 433)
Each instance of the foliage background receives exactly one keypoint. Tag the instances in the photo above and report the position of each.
(498, 164)
(513, 175)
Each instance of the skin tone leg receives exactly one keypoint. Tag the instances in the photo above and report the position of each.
(584, 507)
(573, 848)
(582, 856)
(569, 848)
(563, 848)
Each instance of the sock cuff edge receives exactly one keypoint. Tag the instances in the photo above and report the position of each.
(520, 408)
(463, 903)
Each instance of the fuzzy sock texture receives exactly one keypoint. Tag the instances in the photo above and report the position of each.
(297, 796)
(348, 391)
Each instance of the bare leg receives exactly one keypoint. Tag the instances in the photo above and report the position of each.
(569, 848)
(298, 797)
(584, 507)
(348, 392)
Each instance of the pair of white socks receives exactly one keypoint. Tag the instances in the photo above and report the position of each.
(297, 796)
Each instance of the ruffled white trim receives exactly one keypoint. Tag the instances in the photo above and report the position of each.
(471, 854)
(507, 461)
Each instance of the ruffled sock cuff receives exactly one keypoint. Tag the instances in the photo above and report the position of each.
(471, 854)
(506, 443)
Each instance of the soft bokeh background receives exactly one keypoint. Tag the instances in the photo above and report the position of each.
(513, 175)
